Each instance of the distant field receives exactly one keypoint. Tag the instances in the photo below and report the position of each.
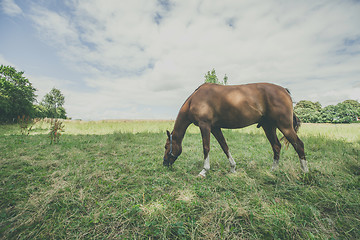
(346, 132)
(105, 180)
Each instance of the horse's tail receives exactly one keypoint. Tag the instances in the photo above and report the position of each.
(296, 125)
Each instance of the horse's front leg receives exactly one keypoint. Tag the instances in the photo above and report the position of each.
(205, 134)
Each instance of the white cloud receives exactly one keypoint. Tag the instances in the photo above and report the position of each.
(147, 53)
(10, 8)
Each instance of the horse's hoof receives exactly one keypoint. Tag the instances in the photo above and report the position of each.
(275, 167)
(305, 170)
(201, 176)
(304, 166)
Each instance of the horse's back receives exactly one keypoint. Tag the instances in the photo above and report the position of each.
(237, 106)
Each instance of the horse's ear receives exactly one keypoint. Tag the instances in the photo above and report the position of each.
(168, 133)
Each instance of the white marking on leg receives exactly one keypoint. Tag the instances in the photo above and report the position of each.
(206, 166)
(304, 166)
(275, 165)
(232, 163)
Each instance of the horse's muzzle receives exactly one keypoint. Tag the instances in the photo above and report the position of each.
(166, 163)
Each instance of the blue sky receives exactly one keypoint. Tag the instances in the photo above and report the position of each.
(141, 59)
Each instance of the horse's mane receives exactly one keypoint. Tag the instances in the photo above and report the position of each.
(191, 95)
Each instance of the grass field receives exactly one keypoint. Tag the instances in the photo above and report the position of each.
(105, 180)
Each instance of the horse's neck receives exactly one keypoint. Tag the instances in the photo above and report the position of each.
(181, 124)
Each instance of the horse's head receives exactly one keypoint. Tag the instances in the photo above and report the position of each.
(172, 150)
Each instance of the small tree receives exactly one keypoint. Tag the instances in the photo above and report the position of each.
(53, 103)
(211, 77)
(225, 80)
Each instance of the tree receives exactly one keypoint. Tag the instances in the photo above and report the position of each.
(225, 80)
(308, 115)
(346, 112)
(40, 111)
(355, 104)
(53, 104)
(211, 77)
(308, 105)
(16, 94)
(328, 114)
(308, 111)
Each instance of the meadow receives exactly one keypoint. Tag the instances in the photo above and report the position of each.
(105, 180)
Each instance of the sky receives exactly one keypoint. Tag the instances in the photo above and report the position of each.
(141, 59)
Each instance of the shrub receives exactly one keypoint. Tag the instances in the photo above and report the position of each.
(56, 128)
(26, 124)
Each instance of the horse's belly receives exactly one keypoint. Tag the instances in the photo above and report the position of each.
(237, 119)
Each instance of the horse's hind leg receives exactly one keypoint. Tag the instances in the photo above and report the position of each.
(220, 138)
(298, 145)
(270, 132)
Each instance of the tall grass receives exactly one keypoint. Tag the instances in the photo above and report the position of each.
(105, 180)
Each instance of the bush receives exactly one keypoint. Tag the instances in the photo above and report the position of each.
(345, 112)
(56, 128)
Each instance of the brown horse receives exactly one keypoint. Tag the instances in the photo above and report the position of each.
(212, 107)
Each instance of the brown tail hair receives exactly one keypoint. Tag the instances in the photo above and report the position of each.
(296, 125)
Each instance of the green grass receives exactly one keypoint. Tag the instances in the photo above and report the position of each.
(105, 180)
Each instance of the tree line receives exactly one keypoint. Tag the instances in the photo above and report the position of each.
(18, 98)
(345, 112)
